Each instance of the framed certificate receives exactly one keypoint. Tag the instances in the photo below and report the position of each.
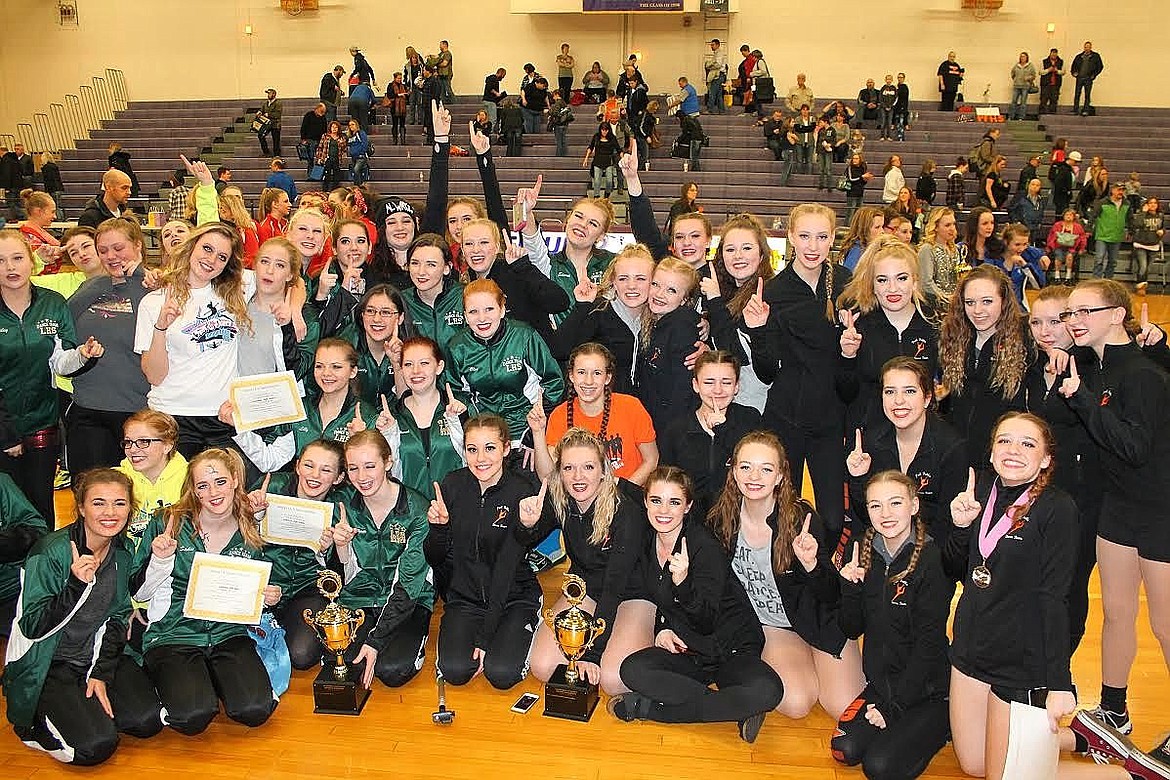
(226, 589)
(264, 400)
(295, 521)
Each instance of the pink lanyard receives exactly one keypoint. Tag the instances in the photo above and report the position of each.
(989, 536)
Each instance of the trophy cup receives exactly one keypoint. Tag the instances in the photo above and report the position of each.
(337, 690)
(575, 630)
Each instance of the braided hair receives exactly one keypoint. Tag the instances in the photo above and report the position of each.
(919, 527)
(818, 210)
(591, 349)
(1044, 478)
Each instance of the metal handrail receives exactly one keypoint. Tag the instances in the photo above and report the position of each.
(76, 116)
(7, 140)
(24, 134)
(60, 120)
(43, 134)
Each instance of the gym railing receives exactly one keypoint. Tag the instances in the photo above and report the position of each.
(74, 117)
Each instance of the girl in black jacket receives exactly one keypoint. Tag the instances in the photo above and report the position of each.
(769, 532)
(491, 598)
(895, 592)
(601, 521)
(794, 347)
(896, 319)
(670, 327)
(705, 629)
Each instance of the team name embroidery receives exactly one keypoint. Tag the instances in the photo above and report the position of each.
(48, 327)
(512, 364)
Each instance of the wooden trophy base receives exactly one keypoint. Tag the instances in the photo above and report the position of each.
(339, 697)
(572, 701)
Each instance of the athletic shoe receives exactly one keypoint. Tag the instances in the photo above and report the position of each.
(61, 479)
(1105, 743)
(749, 728)
(628, 706)
(1148, 766)
(1118, 721)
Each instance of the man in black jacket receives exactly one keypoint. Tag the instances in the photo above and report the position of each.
(273, 109)
(1086, 67)
(312, 128)
(111, 203)
(1051, 77)
(331, 91)
(10, 183)
(867, 104)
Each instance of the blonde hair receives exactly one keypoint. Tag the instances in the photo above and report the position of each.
(930, 231)
(493, 232)
(629, 252)
(295, 261)
(859, 290)
(268, 199)
(232, 199)
(606, 503)
(229, 285)
(818, 210)
(186, 509)
(916, 525)
(671, 264)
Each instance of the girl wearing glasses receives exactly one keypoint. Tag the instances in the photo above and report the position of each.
(153, 465)
(385, 324)
(1122, 397)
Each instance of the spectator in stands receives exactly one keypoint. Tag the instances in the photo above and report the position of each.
(1086, 67)
(1028, 209)
(115, 193)
(412, 74)
(984, 154)
(979, 228)
(603, 151)
(10, 182)
(993, 190)
(361, 68)
(902, 108)
(637, 101)
(1023, 79)
(950, 76)
(530, 75)
(482, 124)
(536, 102)
(397, 100)
(691, 136)
(332, 153)
(1030, 171)
(840, 124)
(825, 142)
(1110, 217)
(119, 159)
(867, 104)
(1095, 190)
(312, 128)
(926, 187)
(887, 104)
(51, 176)
(177, 199)
(1148, 229)
(595, 83)
(957, 185)
(938, 255)
(1066, 242)
(690, 98)
(1133, 191)
(361, 98)
(445, 71)
(1051, 77)
(25, 161)
(746, 66)
(274, 210)
(428, 95)
(894, 179)
(1060, 173)
(763, 86)
(715, 69)
(560, 115)
(493, 93)
(858, 175)
(805, 128)
(331, 92)
(511, 125)
(358, 142)
(687, 204)
(866, 224)
(906, 206)
(279, 178)
(273, 109)
(223, 178)
(565, 64)
(799, 95)
(840, 109)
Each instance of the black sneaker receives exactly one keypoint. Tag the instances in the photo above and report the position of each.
(1118, 721)
(628, 706)
(749, 728)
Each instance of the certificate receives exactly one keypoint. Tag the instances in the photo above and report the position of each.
(1033, 750)
(264, 400)
(295, 521)
(226, 589)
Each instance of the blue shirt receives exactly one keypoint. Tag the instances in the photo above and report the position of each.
(690, 104)
(362, 92)
(281, 180)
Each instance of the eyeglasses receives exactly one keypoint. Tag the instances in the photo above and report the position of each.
(1081, 313)
(385, 314)
(141, 444)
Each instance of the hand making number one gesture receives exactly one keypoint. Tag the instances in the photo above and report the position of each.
(964, 507)
(756, 311)
(805, 545)
(859, 461)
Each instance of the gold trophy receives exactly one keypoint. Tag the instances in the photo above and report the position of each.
(336, 691)
(575, 630)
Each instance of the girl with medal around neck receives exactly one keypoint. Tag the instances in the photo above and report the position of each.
(195, 664)
(1014, 549)
(378, 543)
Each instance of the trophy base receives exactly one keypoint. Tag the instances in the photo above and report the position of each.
(339, 697)
(572, 701)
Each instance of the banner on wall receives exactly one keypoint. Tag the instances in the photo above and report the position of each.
(627, 6)
(715, 6)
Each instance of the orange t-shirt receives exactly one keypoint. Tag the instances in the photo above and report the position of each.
(629, 426)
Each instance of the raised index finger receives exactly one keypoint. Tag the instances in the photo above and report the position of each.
(540, 494)
(970, 479)
(1072, 367)
(859, 440)
(385, 404)
(536, 188)
(1145, 315)
(760, 288)
(856, 555)
(264, 485)
(76, 554)
(807, 521)
(684, 547)
(439, 495)
(450, 394)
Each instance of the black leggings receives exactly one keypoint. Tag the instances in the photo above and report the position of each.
(1078, 591)
(900, 751)
(402, 654)
(33, 473)
(191, 681)
(677, 683)
(505, 661)
(304, 649)
(93, 438)
(825, 455)
(76, 730)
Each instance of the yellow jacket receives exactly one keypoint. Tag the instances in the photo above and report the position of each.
(149, 497)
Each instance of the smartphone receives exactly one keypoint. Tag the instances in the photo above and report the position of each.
(519, 215)
(525, 702)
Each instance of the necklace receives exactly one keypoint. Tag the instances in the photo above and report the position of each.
(990, 534)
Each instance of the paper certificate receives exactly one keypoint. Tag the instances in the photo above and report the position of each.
(226, 589)
(1033, 750)
(264, 400)
(295, 521)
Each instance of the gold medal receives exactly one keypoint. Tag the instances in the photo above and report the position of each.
(981, 576)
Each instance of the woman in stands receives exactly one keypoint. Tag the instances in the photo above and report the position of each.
(491, 599)
(866, 224)
(939, 258)
(69, 686)
(434, 299)
(980, 227)
(795, 348)
(857, 175)
(36, 330)
(114, 387)
(275, 208)
(378, 543)
(153, 465)
(195, 664)
(895, 592)
(984, 352)
(894, 181)
(494, 356)
(701, 443)
(1148, 227)
(908, 207)
(41, 211)
(1096, 187)
(705, 630)
(425, 425)
(332, 155)
(619, 421)
(688, 203)
(744, 264)
(188, 335)
(894, 317)
(232, 211)
(600, 517)
(993, 190)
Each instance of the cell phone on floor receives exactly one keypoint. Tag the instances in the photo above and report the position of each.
(525, 702)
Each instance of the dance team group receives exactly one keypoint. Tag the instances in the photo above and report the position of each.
(466, 396)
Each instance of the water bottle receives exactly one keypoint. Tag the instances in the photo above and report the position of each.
(420, 177)
(686, 165)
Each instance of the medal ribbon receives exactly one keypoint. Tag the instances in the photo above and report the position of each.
(989, 536)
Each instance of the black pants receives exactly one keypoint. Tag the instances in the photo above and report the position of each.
(900, 751)
(565, 85)
(304, 649)
(273, 129)
(678, 684)
(1078, 591)
(515, 143)
(402, 655)
(93, 438)
(191, 681)
(76, 730)
(360, 110)
(1087, 88)
(1049, 97)
(825, 455)
(505, 660)
(947, 101)
(33, 473)
(197, 434)
(398, 128)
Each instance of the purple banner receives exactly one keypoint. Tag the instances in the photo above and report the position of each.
(626, 6)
